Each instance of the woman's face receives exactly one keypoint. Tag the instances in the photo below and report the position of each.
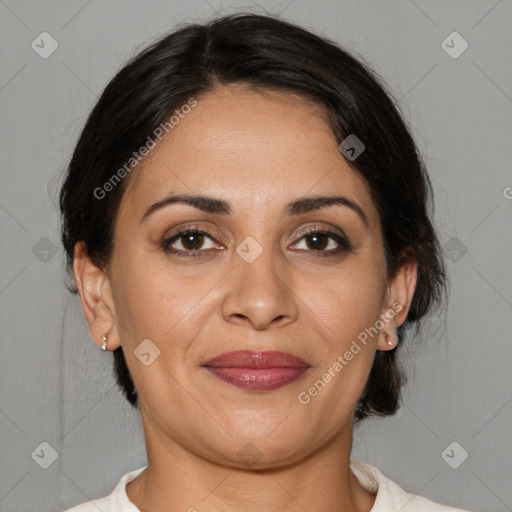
(252, 280)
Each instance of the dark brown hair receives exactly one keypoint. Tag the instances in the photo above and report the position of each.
(263, 53)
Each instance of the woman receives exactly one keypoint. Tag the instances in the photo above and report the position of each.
(245, 215)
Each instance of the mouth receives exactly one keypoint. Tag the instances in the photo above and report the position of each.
(257, 371)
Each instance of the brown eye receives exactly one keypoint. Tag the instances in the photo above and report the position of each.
(317, 241)
(192, 241)
(324, 242)
(188, 241)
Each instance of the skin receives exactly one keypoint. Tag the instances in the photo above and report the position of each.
(258, 152)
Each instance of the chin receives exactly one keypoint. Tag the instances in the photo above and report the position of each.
(259, 450)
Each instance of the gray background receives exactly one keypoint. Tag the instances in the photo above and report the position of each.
(57, 386)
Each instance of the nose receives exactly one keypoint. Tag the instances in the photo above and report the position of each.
(260, 293)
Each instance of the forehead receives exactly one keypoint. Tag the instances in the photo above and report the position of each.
(256, 150)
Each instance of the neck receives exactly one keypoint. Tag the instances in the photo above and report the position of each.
(177, 479)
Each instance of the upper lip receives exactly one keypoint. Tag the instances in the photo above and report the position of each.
(257, 359)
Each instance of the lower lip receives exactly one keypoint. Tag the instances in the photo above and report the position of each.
(257, 379)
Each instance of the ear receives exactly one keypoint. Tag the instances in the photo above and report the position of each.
(96, 294)
(399, 296)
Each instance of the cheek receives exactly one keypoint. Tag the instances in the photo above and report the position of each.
(336, 384)
(150, 299)
(349, 301)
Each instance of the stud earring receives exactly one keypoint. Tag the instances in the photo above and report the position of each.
(388, 340)
(104, 342)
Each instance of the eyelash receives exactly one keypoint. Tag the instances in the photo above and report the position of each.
(344, 244)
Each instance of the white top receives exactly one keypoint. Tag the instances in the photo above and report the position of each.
(390, 497)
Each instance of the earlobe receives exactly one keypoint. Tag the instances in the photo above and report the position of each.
(96, 295)
(388, 336)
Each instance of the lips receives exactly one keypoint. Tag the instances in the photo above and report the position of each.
(257, 371)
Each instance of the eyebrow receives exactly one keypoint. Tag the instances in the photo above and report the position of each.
(220, 207)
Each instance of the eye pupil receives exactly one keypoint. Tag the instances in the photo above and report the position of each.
(193, 241)
(317, 244)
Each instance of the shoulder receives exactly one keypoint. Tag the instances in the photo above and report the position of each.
(390, 496)
(116, 501)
